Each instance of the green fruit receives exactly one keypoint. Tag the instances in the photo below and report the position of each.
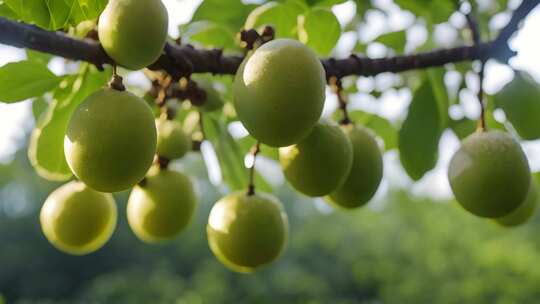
(319, 163)
(172, 142)
(111, 140)
(133, 32)
(246, 232)
(525, 211)
(366, 172)
(78, 220)
(279, 92)
(160, 208)
(213, 101)
(520, 101)
(489, 174)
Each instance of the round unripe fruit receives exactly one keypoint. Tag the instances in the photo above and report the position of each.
(110, 141)
(172, 142)
(319, 163)
(525, 211)
(489, 174)
(133, 32)
(213, 101)
(78, 220)
(247, 231)
(160, 208)
(279, 92)
(366, 171)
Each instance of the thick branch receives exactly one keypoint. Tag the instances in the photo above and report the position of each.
(184, 60)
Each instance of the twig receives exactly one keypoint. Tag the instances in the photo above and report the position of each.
(477, 39)
(481, 125)
(337, 88)
(251, 185)
(179, 61)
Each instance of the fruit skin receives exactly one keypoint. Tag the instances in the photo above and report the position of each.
(213, 101)
(366, 171)
(111, 140)
(133, 32)
(245, 232)
(489, 174)
(525, 211)
(320, 163)
(78, 220)
(279, 92)
(172, 142)
(520, 101)
(162, 207)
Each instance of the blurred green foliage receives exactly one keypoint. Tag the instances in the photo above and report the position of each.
(401, 250)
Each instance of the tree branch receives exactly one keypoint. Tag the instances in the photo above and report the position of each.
(183, 60)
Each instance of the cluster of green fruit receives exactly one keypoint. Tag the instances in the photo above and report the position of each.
(490, 174)
(111, 143)
(113, 139)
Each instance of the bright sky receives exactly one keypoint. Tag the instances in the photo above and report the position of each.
(16, 119)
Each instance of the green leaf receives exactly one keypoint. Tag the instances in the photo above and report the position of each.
(231, 156)
(324, 3)
(39, 57)
(382, 127)
(39, 105)
(231, 13)
(462, 127)
(520, 101)
(420, 133)
(281, 16)
(210, 34)
(6, 11)
(83, 10)
(46, 149)
(436, 78)
(52, 14)
(59, 12)
(434, 11)
(25, 79)
(269, 152)
(394, 40)
(31, 11)
(320, 30)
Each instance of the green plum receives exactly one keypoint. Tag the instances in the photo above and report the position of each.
(162, 206)
(525, 211)
(319, 163)
(78, 220)
(279, 92)
(213, 101)
(247, 231)
(172, 142)
(366, 172)
(133, 32)
(111, 140)
(520, 101)
(489, 174)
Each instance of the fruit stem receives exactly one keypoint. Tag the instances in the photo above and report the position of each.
(251, 186)
(201, 125)
(251, 39)
(116, 82)
(481, 126)
(142, 183)
(163, 162)
(337, 88)
(474, 27)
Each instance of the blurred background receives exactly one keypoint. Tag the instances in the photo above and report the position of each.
(412, 244)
